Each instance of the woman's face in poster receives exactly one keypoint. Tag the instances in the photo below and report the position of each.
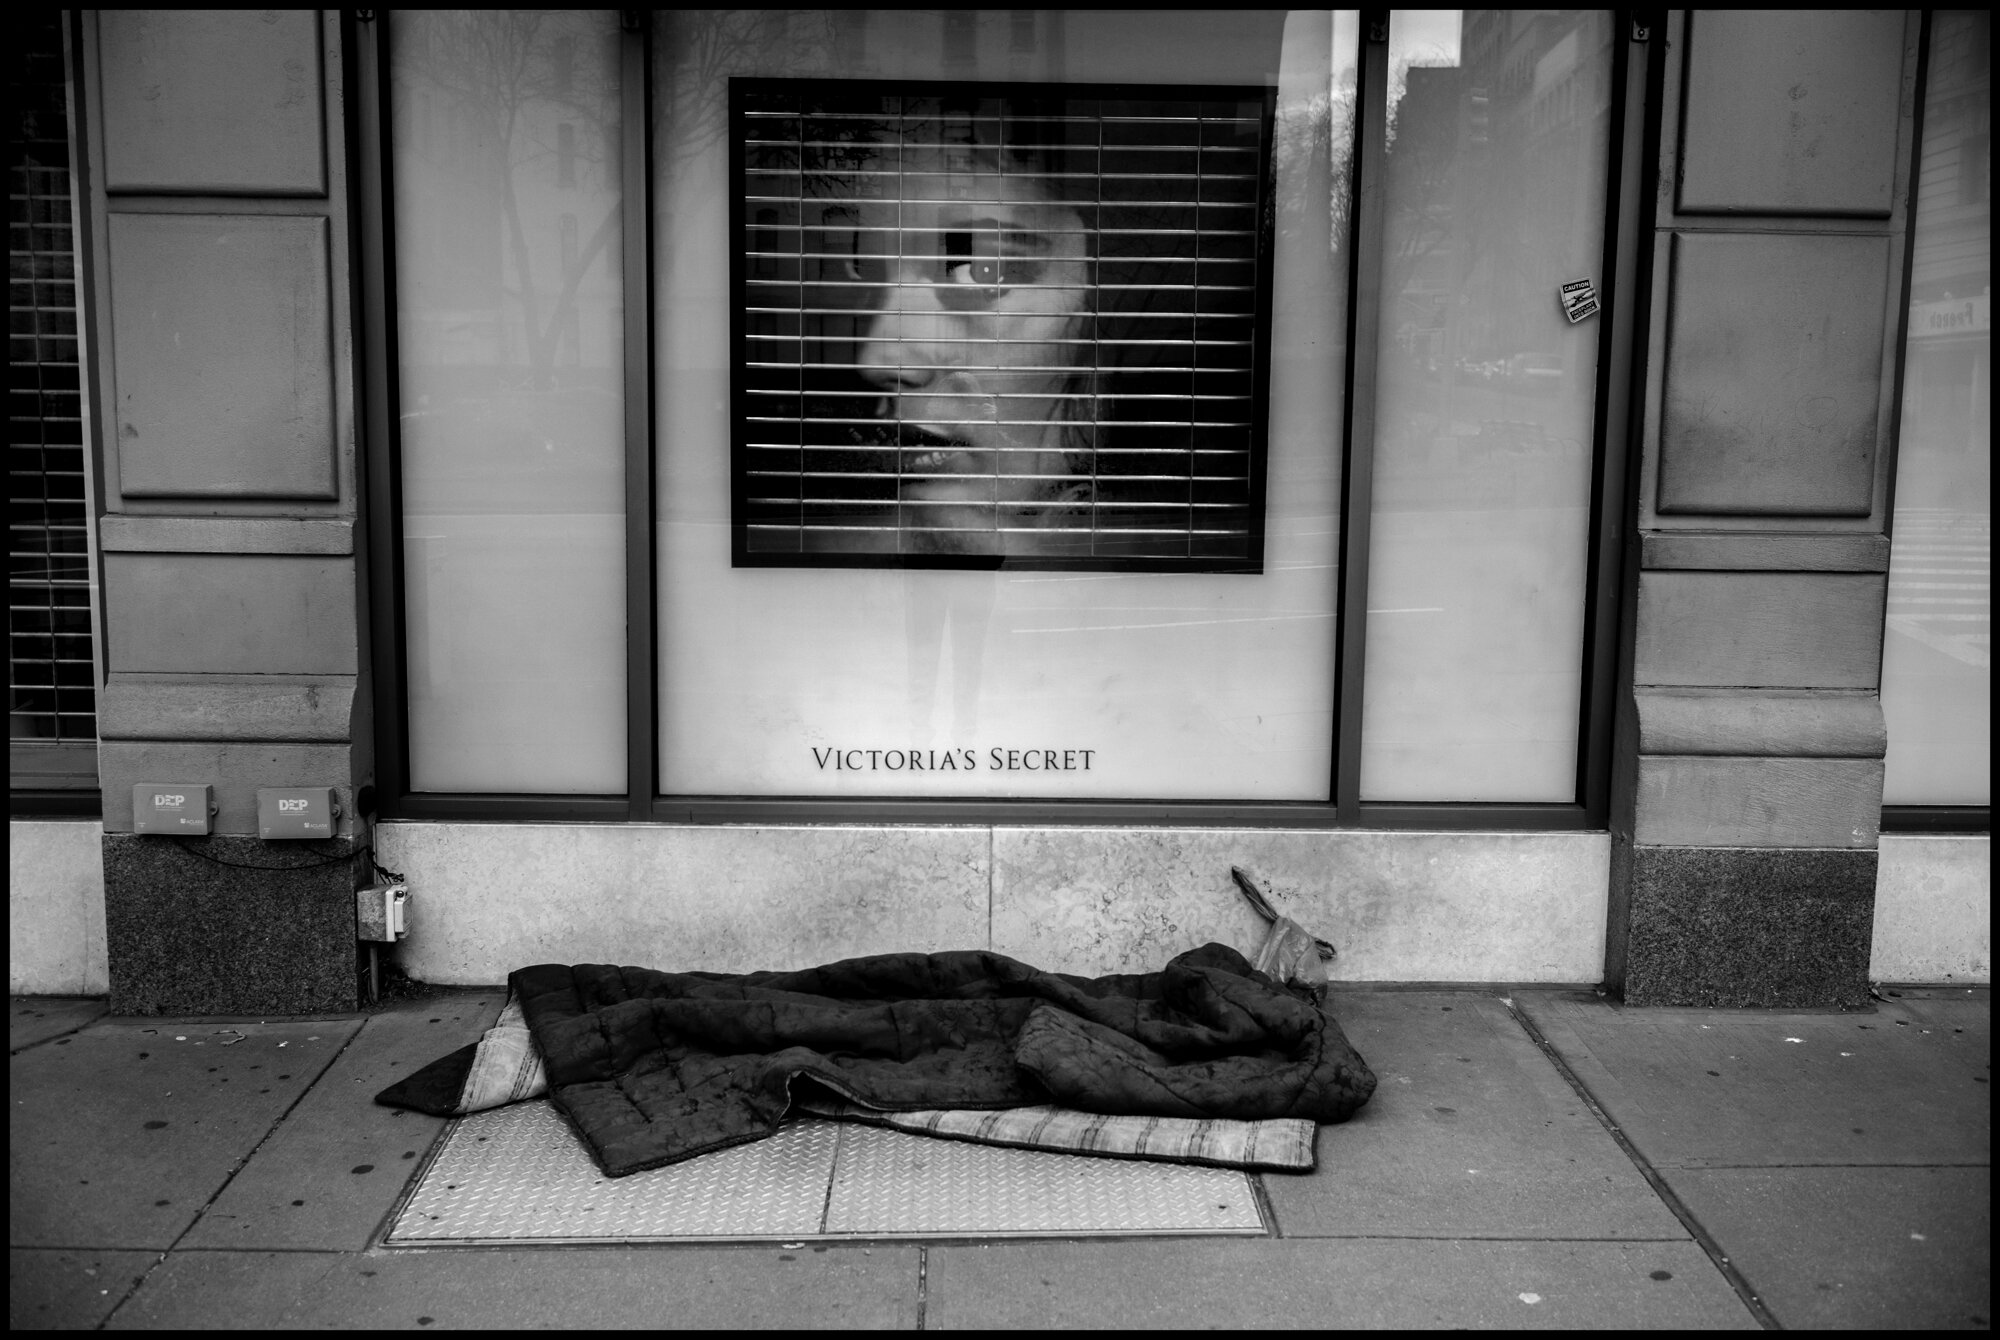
(976, 331)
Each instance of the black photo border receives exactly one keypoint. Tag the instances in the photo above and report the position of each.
(741, 88)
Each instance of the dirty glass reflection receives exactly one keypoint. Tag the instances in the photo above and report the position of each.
(509, 311)
(1937, 656)
(1497, 154)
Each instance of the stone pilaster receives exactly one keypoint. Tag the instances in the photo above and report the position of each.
(1749, 778)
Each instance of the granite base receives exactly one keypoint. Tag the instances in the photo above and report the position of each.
(230, 925)
(1776, 927)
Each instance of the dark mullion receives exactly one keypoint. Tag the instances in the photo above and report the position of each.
(1365, 242)
(1000, 812)
(1615, 429)
(373, 204)
(477, 808)
(1937, 818)
(49, 803)
(641, 636)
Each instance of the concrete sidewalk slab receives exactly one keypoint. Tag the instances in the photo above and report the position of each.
(1809, 1147)
(331, 1172)
(68, 1288)
(123, 1131)
(1405, 1284)
(568, 1289)
(1472, 1133)
(1695, 1088)
(1895, 1248)
(32, 1019)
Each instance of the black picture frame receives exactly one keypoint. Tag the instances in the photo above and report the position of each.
(1172, 354)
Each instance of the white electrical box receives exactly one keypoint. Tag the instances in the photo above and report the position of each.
(179, 808)
(381, 913)
(296, 812)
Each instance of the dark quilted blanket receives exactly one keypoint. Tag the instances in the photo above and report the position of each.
(654, 1067)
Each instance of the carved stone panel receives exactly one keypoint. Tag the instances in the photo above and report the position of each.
(1791, 111)
(222, 356)
(216, 102)
(1774, 375)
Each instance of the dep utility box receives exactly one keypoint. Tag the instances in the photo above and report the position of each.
(295, 812)
(181, 809)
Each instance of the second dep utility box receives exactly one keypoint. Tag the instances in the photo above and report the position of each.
(295, 812)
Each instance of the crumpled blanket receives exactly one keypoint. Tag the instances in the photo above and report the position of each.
(654, 1067)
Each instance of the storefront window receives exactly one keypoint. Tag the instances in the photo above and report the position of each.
(509, 300)
(1938, 648)
(996, 380)
(1497, 170)
(1030, 482)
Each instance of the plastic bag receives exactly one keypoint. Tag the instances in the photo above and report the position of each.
(1289, 953)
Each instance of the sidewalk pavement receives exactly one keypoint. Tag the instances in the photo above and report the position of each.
(1533, 1158)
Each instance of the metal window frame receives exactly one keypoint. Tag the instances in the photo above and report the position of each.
(1622, 290)
(366, 37)
(1634, 110)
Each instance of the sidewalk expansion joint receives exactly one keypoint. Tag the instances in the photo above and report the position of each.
(239, 1166)
(52, 1038)
(305, 1090)
(1701, 1235)
(132, 1289)
(1703, 1165)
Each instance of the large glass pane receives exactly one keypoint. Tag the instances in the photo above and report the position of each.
(925, 641)
(1938, 654)
(1497, 162)
(509, 328)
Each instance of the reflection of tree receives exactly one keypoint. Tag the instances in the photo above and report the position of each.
(519, 75)
(1318, 134)
(701, 49)
(1425, 159)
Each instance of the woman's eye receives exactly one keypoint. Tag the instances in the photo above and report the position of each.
(982, 273)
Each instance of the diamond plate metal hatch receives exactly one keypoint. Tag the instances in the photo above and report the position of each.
(518, 1174)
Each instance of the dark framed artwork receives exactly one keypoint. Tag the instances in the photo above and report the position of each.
(984, 325)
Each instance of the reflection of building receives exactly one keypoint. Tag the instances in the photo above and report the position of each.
(1949, 378)
(1527, 97)
(1729, 481)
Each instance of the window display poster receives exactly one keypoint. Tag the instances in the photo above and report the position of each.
(1000, 324)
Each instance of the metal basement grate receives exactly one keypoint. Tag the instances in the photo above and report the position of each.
(518, 1174)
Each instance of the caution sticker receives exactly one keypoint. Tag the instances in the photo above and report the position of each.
(1579, 299)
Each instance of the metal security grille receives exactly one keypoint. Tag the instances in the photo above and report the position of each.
(982, 325)
(52, 696)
